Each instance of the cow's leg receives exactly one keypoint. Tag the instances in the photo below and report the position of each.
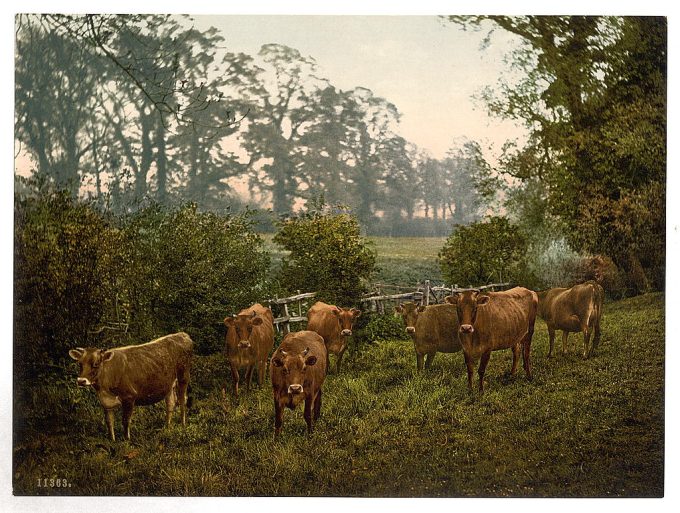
(526, 354)
(469, 362)
(428, 360)
(170, 403)
(339, 359)
(261, 370)
(309, 405)
(515, 358)
(483, 361)
(234, 379)
(419, 361)
(596, 338)
(565, 336)
(317, 405)
(182, 390)
(586, 341)
(248, 378)
(278, 416)
(551, 335)
(109, 417)
(128, 406)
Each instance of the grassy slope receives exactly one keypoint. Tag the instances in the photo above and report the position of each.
(581, 428)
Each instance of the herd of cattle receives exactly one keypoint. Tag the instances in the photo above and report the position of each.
(476, 323)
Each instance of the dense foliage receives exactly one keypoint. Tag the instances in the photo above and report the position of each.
(83, 277)
(327, 255)
(592, 94)
(489, 251)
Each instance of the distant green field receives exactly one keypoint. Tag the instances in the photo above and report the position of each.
(407, 260)
(592, 428)
(400, 260)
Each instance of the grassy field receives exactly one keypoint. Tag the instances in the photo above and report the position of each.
(581, 429)
(400, 260)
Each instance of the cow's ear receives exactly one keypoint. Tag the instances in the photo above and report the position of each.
(256, 321)
(399, 308)
(421, 308)
(277, 362)
(356, 312)
(483, 300)
(106, 356)
(76, 353)
(229, 321)
(336, 311)
(452, 299)
(311, 360)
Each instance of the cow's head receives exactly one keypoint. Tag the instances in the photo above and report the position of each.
(243, 325)
(409, 313)
(346, 317)
(466, 304)
(90, 362)
(293, 368)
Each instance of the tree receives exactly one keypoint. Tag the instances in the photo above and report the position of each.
(55, 98)
(328, 255)
(593, 97)
(493, 250)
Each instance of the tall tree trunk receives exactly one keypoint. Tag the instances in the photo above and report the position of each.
(161, 161)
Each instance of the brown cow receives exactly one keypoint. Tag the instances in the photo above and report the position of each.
(143, 374)
(433, 329)
(250, 338)
(574, 310)
(494, 321)
(334, 325)
(298, 369)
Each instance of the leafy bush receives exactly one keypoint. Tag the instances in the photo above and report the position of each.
(328, 255)
(484, 252)
(186, 270)
(83, 277)
(381, 328)
(65, 266)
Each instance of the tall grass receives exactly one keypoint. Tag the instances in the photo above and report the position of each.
(590, 428)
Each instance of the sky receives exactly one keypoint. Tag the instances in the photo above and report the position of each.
(429, 68)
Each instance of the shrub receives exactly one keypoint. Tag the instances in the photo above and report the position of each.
(65, 266)
(382, 328)
(186, 270)
(86, 278)
(484, 252)
(328, 255)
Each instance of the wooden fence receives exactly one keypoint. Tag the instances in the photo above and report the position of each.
(292, 307)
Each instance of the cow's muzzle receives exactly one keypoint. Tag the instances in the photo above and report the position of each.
(346, 333)
(295, 389)
(410, 329)
(244, 344)
(83, 382)
(466, 328)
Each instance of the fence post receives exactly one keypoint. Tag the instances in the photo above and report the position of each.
(427, 293)
(286, 324)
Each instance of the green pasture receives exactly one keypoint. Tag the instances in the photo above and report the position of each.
(591, 428)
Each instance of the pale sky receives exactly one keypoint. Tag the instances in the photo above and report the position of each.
(428, 68)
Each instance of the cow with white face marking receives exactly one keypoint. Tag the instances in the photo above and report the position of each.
(137, 375)
(335, 325)
(298, 370)
(494, 321)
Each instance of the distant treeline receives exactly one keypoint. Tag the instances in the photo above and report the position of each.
(139, 108)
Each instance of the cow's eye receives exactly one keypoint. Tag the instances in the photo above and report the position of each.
(285, 371)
